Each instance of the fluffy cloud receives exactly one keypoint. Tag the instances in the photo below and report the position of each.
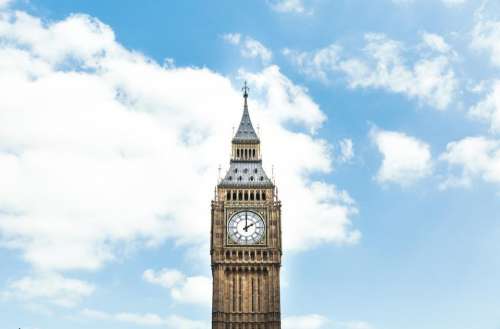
(474, 157)
(445, 2)
(310, 321)
(486, 38)
(436, 42)
(453, 2)
(316, 321)
(488, 109)
(289, 6)
(183, 289)
(346, 150)
(169, 322)
(102, 150)
(50, 287)
(405, 158)
(429, 79)
(317, 64)
(249, 47)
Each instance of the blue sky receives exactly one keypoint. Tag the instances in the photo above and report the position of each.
(381, 119)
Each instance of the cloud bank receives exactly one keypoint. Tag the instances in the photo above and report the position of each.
(103, 150)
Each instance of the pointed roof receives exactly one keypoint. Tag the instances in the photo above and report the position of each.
(246, 174)
(245, 133)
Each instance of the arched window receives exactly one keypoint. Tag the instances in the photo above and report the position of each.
(255, 170)
(252, 195)
(246, 195)
(240, 196)
(264, 195)
(251, 178)
(228, 195)
(253, 153)
(234, 195)
(246, 153)
(257, 195)
(238, 153)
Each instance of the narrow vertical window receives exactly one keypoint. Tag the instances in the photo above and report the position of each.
(253, 296)
(240, 295)
(234, 292)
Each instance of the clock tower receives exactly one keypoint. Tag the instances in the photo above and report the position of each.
(245, 244)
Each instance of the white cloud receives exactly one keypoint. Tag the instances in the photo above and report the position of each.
(309, 321)
(283, 101)
(317, 64)
(354, 325)
(346, 150)
(148, 319)
(486, 37)
(429, 79)
(290, 6)
(445, 2)
(453, 2)
(50, 287)
(232, 38)
(436, 42)
(475, 157)
(165, 278)
(316, 321)
(103, 151)
(5, 3)
(249, 47)
(405, 158)
(488, 109)
(183, 289)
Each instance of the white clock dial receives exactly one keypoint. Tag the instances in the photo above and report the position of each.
(246, 227)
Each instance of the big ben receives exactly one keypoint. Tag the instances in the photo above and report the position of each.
(246, 238)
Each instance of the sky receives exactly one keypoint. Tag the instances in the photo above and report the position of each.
(379, 119)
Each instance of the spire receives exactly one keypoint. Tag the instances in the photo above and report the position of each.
(245, 133)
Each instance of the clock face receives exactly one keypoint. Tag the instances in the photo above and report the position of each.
(246, 227)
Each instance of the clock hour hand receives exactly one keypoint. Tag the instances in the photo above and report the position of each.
(248, 226)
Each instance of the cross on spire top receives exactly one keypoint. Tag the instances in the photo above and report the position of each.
(245, 89)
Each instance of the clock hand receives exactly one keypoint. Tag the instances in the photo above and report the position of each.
(246, 220)
(248, 226)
